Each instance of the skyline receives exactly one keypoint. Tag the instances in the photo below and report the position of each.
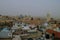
(30, 7)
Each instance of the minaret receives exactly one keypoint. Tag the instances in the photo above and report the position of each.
(48, 16)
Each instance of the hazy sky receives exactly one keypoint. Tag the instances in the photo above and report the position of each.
(30, 7)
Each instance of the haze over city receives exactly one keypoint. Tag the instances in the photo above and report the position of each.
(29, 19)
(30, 7)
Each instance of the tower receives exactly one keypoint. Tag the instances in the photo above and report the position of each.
(48, 17)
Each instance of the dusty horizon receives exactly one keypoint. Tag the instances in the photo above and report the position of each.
(30, 7)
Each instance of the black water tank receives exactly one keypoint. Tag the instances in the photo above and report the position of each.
(47, 36)
(30, 39)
